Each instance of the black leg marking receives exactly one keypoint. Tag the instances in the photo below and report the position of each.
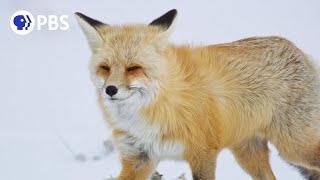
(196, 176)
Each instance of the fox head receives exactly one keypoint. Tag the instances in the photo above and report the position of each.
(127, 61)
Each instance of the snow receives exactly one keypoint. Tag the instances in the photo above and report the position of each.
(50, 124)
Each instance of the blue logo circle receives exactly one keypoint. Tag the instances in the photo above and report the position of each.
(22, 22)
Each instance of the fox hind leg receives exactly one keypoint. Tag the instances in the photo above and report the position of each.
(310, 168)
(301, 148)
(253, 156)
(308, 174)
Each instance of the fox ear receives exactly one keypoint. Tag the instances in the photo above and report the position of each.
(166, 20)
(91, 28)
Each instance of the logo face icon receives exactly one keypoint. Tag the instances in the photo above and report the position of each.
(22, 22)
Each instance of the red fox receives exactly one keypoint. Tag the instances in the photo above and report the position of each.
(188, 103)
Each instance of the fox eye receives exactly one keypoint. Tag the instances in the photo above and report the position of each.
(105, 67)
(133, 68)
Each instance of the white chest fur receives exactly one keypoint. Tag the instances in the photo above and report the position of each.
(142, 136)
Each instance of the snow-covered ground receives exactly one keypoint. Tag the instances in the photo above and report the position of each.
(48, 109)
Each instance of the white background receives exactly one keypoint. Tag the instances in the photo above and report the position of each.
(46, 92)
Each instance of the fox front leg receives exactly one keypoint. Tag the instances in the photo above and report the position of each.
(203, 165)
(139, 167)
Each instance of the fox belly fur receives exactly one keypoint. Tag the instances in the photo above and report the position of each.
(189, 103)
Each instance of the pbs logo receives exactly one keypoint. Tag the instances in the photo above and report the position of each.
(22, 22)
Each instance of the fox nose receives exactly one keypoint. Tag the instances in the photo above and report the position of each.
(111, 90)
